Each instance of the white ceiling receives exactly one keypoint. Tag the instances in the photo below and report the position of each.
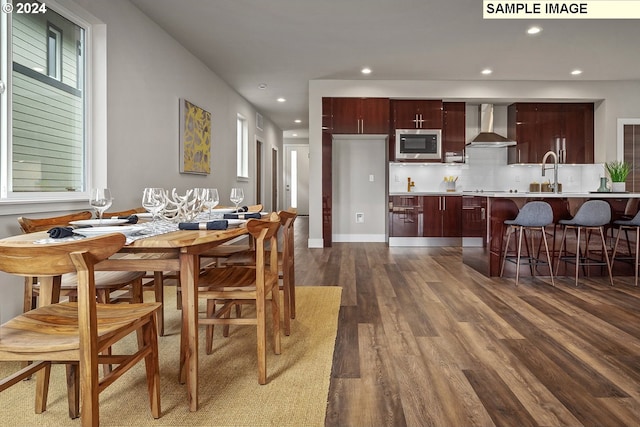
(286, 43)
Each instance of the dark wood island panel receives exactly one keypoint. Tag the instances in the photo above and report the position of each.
(488, 257)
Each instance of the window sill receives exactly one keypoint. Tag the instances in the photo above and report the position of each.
(25, 207)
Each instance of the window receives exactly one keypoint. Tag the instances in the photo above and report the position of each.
(43, 120)
(54, 52)
(242, 135)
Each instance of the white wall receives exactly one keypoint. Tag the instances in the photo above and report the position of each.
(355, 160)
(147, 73)
(613, 100)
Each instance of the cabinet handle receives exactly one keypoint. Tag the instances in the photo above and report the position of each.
(421, 122)
(483, 213)
(444, 203)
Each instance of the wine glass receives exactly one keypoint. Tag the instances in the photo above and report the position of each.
(100, 199)
(210, 198)
(237, 195)
(153, 200)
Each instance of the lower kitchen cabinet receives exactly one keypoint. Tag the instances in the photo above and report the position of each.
(405, 216)
(442, 216)
(474, 216)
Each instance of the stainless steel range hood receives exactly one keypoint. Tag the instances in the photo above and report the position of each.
(487, 137)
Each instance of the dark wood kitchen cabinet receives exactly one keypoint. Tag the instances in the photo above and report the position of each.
(416, 114)
(405, 216)
(360, 115)
(474, 216)
(442, 216)
(537, 126)
(453, 127)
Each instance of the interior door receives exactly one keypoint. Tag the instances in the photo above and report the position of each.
(259, 170)
(296, 177)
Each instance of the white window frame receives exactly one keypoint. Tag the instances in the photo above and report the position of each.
(95, 113)
(242, 145)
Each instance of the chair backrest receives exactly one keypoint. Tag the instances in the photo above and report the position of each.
(593, 213)
(126, 212)
(265, 231)
(535, 214)
(31, 225)
(55, 259)
(287, 218)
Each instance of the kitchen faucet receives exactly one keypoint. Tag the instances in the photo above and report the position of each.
(555, 168)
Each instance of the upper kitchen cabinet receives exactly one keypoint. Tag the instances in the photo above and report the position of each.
(416, 114)
(360, 115)
(453, 127)
(542, 127)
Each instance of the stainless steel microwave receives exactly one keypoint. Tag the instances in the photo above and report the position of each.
(418, 144)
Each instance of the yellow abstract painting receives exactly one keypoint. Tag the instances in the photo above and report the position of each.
(195, 139)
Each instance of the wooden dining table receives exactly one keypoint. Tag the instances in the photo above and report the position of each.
(175, 251)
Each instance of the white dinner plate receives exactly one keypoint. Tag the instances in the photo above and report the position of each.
(98, 231)
(105, 222)
(221, 210)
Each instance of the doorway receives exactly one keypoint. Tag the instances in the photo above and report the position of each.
(258, 172)
(296, 177)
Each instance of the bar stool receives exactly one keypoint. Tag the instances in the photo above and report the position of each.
(534, 216)
(592, 215)
(625, 225)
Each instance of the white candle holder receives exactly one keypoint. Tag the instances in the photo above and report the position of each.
(182, 208)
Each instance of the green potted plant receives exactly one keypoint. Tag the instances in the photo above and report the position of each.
(618, 172)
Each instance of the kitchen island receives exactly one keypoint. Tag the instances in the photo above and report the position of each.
(486, 258)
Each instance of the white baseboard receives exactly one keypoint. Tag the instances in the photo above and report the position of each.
(358, 238)
(315, 243)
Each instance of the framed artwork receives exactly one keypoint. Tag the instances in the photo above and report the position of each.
(195, 139)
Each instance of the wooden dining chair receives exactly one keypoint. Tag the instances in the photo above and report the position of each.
(107, 282)
(286, 265)
(75, 333)
(256, 285)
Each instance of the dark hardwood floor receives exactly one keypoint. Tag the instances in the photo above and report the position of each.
(425, 340)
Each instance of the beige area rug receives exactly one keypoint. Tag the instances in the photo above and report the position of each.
(295, 395)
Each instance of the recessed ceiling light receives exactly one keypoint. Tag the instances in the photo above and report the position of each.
(534, 30)
(38, 69)
(295, 134)
(298, 121)
(366, 70)
(487, 71)
(576, 72)
(281, 100)
(262, 86)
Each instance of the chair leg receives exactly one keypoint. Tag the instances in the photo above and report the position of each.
(577, 253)
(506, 249)
(261, 328)
(521, 232)
(562, 247)
(42, 388)
(211, 309)
(286, 291)
(152, 366)
(73, 390)
(606, 255)
(546, 248)
(158, 289)
(275, 314)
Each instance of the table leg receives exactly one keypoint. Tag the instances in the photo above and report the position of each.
(189, 268)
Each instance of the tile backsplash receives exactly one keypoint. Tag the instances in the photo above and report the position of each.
(487, 169)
